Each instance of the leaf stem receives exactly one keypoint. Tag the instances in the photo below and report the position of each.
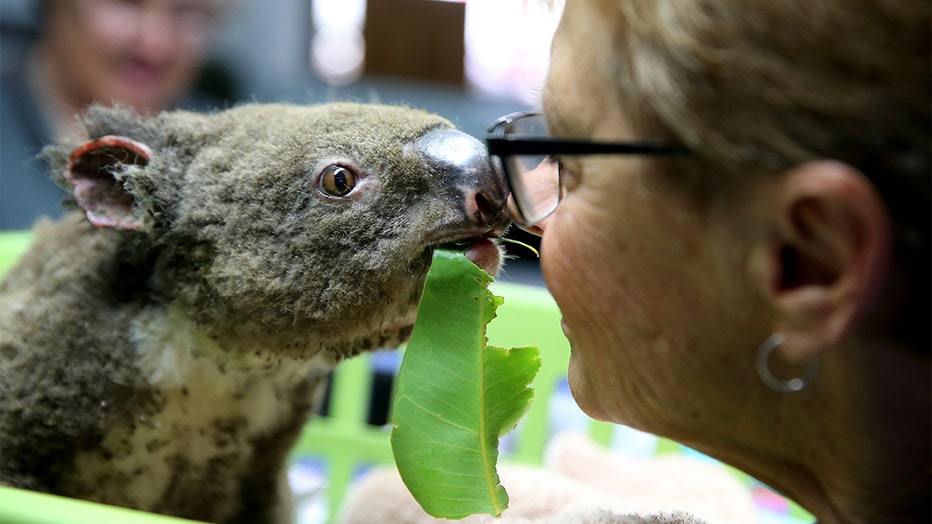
(488, 464)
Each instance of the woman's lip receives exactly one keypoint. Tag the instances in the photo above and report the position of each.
(565, 327)
(139, 74)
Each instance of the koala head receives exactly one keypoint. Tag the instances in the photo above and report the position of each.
(306, 226)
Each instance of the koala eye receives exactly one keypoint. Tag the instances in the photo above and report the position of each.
(337, 181)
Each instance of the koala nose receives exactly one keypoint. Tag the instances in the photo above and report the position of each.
(464, 164)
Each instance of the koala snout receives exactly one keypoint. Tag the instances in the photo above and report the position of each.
(463, 162)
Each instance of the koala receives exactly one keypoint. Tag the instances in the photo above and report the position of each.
(163, 344)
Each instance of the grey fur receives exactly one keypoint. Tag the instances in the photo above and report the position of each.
(170, 368)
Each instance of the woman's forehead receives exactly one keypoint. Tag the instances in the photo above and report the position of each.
(580, 98)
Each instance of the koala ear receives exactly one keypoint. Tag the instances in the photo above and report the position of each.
(92, 173)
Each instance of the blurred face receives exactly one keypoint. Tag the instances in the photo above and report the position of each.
(646, 284)
(141, 52)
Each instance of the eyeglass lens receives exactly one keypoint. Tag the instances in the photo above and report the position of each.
(534, 179)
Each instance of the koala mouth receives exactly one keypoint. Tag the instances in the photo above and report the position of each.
(484, 252)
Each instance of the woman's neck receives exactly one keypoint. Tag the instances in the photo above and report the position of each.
(853, 447)
(866, 449)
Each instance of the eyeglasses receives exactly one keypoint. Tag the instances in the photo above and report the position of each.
(528, 160)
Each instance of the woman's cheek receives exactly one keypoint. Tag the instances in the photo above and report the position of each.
(575, 257)
(574, 268)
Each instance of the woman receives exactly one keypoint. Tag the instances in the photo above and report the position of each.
(754, 281)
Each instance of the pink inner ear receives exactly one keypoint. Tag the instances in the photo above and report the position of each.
(90, 172)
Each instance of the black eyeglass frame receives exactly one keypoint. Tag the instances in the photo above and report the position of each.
(501, 146)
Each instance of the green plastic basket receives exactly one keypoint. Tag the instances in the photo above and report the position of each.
(12, 245)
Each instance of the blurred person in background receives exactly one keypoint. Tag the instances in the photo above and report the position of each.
(148, 54)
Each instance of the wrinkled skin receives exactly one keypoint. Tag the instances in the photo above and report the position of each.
(665, 303)
(643, 252)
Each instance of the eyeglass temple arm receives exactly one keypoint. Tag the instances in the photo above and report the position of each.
(501, 146)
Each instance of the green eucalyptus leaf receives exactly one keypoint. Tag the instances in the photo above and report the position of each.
(456, 396)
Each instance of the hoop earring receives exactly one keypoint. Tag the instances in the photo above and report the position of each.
(783, 386)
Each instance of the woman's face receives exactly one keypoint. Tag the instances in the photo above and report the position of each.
(139, 52)
(652, 291)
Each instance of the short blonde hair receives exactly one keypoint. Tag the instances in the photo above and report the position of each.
(763, 84)
(757, 86)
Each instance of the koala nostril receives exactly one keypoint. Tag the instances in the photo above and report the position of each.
(464, 165)
(485, 211)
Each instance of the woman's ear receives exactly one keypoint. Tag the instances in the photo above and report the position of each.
(827, 255)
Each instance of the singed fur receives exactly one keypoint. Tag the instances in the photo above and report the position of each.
(170, 368)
